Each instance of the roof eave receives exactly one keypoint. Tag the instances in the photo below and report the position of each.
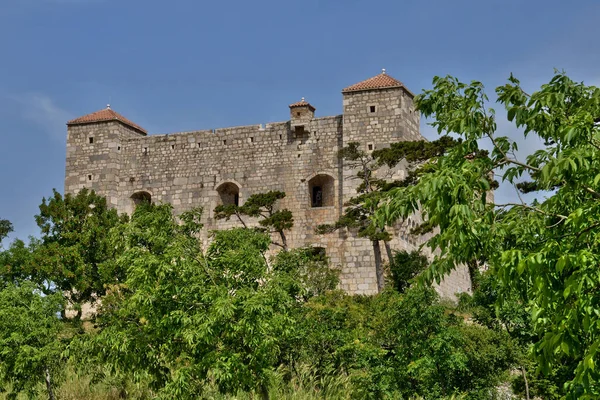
(137, 129)
(305, 105)
(379, 88)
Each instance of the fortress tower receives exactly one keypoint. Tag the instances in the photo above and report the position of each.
(115, 157)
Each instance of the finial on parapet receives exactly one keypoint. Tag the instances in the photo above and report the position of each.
(383, 71)
(302, 99)
(108, 106)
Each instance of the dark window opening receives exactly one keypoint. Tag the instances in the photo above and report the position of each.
(251, 139)
(229, 193)
(299, 130)
(145, 150)
(118, 148)
(372, 108)
(225, 142)
(172, 147)
(280, 137)
(318, 252)
(141, 198)
(370, 146)
(297, 114)
(321, 191)
(91, 140)
(89, 177)
(199, 145)
(317, 196)
(298, 155)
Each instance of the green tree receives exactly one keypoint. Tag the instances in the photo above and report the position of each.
(547, 250)
(30, 349)
(5, 228)
(77, 253)
(187, 317)
(261, 205)
(406, 267)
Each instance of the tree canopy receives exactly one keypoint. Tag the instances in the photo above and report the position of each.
(545, 251)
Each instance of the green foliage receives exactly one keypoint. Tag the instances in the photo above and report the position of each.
(310, 269)
(261, 205)
(5, 228)
(546, 252)
(405, 267)
(30, 349)
(186, 318)
(403, 345)
(414, 152)
(76, 252)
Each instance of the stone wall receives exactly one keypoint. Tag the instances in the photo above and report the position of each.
(187, 170)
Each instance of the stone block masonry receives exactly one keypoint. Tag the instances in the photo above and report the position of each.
(115, 157)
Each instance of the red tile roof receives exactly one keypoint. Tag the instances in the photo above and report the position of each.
(381, 81)
(106, 114)
(302, 103)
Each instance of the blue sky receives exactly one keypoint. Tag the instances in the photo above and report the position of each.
(181, 65)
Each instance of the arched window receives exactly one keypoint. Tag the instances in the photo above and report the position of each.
(141, 197)
(229, 193)
(321, 192)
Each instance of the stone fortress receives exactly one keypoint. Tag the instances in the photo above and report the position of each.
(119, 160)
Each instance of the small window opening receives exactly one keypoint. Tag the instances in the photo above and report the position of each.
(297, 114)
(145, 150)
(251, 139)
(91, 140)
(199, 145)
(140, 198)
(229, 193)
(298, 155)
(172, 147)
(372, 109)
(89, 177)
(118, 148)
(321, 191)
(370, 146)
(318, 252)
(280, 137)
(317, 196)
(225, 142)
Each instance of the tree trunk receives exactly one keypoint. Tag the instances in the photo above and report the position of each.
(378, 266)
(48, 384)
(526, 384)
(264, 392)
(388, 250)
(283, 240)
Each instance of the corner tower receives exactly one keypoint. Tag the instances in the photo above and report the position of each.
(377, 112)
(94, 144)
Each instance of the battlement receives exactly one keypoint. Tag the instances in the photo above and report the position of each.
(115, 157)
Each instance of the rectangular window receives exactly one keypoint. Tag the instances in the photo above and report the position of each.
(91, 140)
(372, 109)
(317, 196)
(251, 139)
(89, 177)
(370, 146)
(225, 142)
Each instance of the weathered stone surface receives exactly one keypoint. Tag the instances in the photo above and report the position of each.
(189, 169)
